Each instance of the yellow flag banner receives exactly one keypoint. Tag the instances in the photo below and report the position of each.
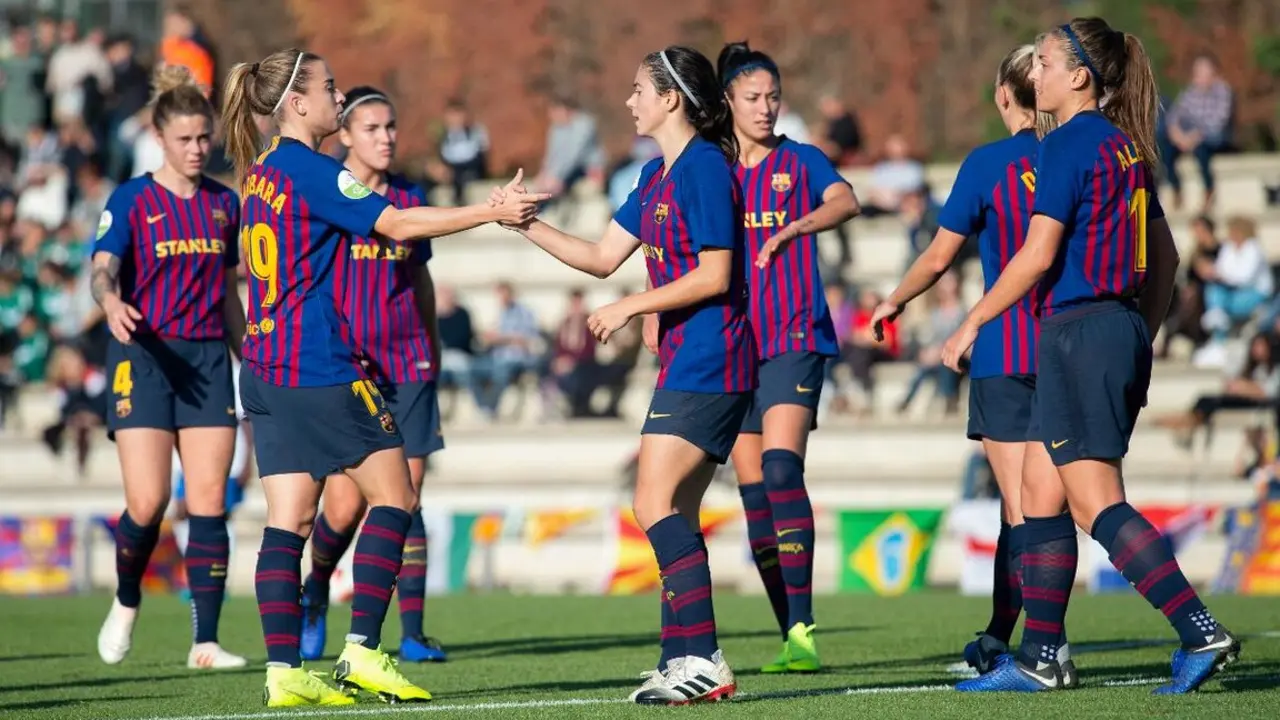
(546, 525)
(635, 571)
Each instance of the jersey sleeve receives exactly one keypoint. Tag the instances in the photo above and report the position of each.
(336, 197)
(707, 200)
(1059, 178)
(115, 235)
(628, 216)
(822, 174)
(420, 254)
(230, 231)
(962, 213)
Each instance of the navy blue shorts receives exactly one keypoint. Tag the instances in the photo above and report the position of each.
(1092, 379)
(793, 378)
(169, 384)
(315, 430)
(1000, 407)
(710, 421)
(416, 410)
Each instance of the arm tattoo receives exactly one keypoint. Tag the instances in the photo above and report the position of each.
(105, 279)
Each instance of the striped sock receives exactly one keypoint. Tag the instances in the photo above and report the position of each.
(379, 551)
(276, 582)
(686, 580)
(411, 586)
(327, 548)
(764, 549)
(672, 634)
(1146, 560)
(793, 527)
(1048, 572)
(1006, 595)
(208, 550)
(134, 545)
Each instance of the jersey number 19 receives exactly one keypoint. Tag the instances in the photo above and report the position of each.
(1138, 211)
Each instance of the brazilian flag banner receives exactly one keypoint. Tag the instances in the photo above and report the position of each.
(886, 552)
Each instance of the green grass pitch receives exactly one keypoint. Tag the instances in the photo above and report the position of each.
(569, 657)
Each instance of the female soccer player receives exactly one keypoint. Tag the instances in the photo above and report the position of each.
(684, 215)
(790, 193)
(1099, 241)
(314, 412)
(992, 197)
(164, 273)
(386, 294)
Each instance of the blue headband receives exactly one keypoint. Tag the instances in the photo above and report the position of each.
(1084, 57)
(751, 67)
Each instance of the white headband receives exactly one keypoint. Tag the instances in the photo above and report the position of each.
(346, 109)
(292, 77)
(674, 76)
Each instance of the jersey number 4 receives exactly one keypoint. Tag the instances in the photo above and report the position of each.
(1138, 202)
(259, 246)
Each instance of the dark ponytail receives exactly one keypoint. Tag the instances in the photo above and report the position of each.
(737, 59)
(689, 73)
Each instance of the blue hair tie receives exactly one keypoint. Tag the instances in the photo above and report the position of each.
(751, 67)
(1084, 57)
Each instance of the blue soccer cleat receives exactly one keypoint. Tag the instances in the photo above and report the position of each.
(1010, 676)
(981, 654)
(1191, 668)
(421, 648)
(314, 621)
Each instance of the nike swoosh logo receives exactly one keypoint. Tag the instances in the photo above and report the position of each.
(658, 416)
(1058, 443)
(788, 531)
(153, 219)
(802, 390)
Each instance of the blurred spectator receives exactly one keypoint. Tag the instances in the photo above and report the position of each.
(457, 339)
(791, 124)
(78, 147)
(21, 96)
(862, 352)
(32, 351)
(946, 315)
(131, 91)
(44, 199)
(180, 46)
(573, 149)
(464, 149)
(513, 349)
(1188, 302)
(624, 179)
(136, 133)
(893, 178)
(74, 61)
(81, 389)
(615, 361)
(92, 192)
(1254, 385)
(841, 137)
(920, 214)
(1199, 123)
(1239, 283)
(572, 364)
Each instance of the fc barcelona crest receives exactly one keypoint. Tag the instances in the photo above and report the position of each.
(660, 213)
(124, 407)
(388, 424)
(781, 182)
(219, 217)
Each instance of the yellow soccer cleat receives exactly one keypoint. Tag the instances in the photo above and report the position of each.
(780, 663)
(295, 687)
(802, 649)
(375, 672)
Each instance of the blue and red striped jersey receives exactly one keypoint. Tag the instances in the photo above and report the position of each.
(788, 308)
(696, 206)
(376, 280)
(1091, 177)
(298, 209)
(992, 198)
(174, 253)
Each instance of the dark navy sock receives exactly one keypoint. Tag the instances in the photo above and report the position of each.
(672, 637)
(686, 580)
(793, 527)
(208, 550)
(1048, 572)
(327, 548)
(379, 552)
(411, 585)
(764, 549)
(134, 545)
(1146, 560)
(277, 582)
(1006, 592)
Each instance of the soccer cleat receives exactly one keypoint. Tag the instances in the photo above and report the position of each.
(1070, 677)
(421, 648)
(981, 654)
(1010, 676)
(211, 656)
(1191, 668)
(116, 636)
(314, 627)
(695, 680)
(293, 687)
(802, 649)
(375, 672)
(780, 663)
(654, 678)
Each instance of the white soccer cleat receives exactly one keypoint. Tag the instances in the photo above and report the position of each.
(116, 636)
(696, 680)
(654, 678)
(211, 656)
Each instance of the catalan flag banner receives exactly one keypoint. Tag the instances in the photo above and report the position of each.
(1261, 575)
(886, 552)
(635, 571)
(35, 556)
(166, 573)
(542, 526)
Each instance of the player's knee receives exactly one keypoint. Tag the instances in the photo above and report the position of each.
(147, 509)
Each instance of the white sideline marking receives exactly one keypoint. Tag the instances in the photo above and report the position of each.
(574, 702)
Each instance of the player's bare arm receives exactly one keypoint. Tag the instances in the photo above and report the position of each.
(1162, 270)
(839, 205)
(233, 312)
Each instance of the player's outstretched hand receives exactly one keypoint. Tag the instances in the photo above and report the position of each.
(649, 332)
(122, 319)
(886, 312)
(776, 243)
(608, 320)
(516, 206)
(958, 346)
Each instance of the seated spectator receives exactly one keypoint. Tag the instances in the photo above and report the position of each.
(920, 213)
(1199, 123)
(573, 150)
(946, 315)
(16, 301)
(1188, 302)
(621, 182)
(893, 178)
(572, 367)
(83, 402)
(841, 136)
(1238, 284)
(512, 349)
(32, 351)
(863, 352)
(464, 149)
(614, 362)
(457, 339)
(1255, 385)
